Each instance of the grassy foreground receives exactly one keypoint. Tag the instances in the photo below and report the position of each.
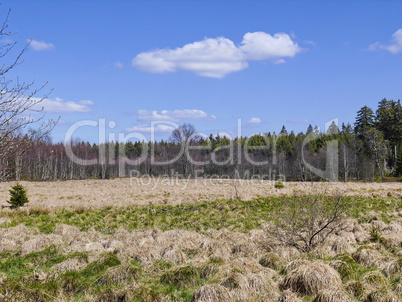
(207, 251)
(236, 215)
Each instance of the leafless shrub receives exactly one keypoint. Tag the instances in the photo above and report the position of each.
(310, 221)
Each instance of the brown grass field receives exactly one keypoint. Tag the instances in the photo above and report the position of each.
(125, 192)
(206, 241)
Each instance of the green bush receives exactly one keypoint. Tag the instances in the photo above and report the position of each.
(18, 196)
(279, 184)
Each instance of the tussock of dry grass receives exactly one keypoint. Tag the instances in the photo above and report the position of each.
(124, 273)
(312, 277)
(368, 257)
(358, 289)
(375, 279)
(68, 233)
(383, 295)
(7, 245)
(212, 293)
(174, 255)
(292, 265)
(332, 295)
(398, 287)
(74, 264)
(289, 296)
(236, 281)
(272, 260)
(39, 243)
(262, 284)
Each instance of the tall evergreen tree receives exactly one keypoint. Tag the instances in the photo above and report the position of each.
(364, 120)
(283, 131)
(385, 117)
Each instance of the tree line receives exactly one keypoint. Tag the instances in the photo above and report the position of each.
(369, 150)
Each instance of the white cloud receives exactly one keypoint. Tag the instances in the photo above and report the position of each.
(300, 122)
(254, 120)
(146, 129)
(40, 45)
(175, 115)
(263, 46)
(58, 105)
(217, 57)
(393, 48)
(312, 43)
(118, 64)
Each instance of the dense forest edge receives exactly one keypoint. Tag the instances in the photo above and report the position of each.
(370, 150)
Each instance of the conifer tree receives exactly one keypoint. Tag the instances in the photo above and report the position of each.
(18, 196)
(364, 120)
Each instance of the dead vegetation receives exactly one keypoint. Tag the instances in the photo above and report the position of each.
(81, 195)
(65, 256)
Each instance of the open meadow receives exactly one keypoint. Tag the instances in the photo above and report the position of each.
(125, 192)
(123, 240)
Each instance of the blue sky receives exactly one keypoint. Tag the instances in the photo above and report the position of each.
(209, 63)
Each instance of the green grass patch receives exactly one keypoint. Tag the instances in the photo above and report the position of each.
(237, 215)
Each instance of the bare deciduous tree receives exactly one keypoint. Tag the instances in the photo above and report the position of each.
(18, 108)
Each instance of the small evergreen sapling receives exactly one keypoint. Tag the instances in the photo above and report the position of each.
(18, 196)
(279, 184)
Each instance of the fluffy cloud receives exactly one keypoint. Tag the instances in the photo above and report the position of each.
(58, 105)
(263, 46)
(218, 57)
(394, 48)
(158, 128)
(254, 120)
(174, 116)
(40, 45)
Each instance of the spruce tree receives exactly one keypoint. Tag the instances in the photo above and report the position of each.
(364, 120)
(18, 196)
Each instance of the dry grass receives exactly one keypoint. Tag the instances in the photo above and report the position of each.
(288, 296)
(311, 277)
(368, 257)
(213, 293)
(383, 295)
(332, 295)
(80, 195)
(215, 263)
(121, 274)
